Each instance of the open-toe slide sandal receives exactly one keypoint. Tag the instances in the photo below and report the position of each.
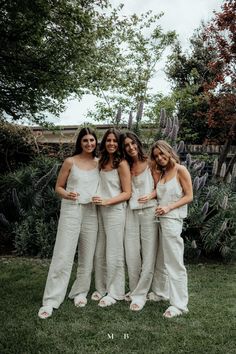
(173, 311)
(96, 296)
(80, 301)
(106, 301)
(45, 312)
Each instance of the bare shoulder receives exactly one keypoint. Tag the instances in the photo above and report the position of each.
(123, 164)
(68, 162)
(182, 171)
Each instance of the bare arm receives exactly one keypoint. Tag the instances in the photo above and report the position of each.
(186, 183)
(62, 179)
(125, 180)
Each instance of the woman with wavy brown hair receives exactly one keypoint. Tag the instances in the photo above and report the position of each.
(113, 191)
(140, 229)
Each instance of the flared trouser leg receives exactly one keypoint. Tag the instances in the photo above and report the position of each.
(141, 232)
(86, 250)
(100, 257)
(132, 244)
(114, 224)
(170, 278)
(63, 254)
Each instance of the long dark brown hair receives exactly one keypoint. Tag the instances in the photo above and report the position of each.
(103, 154)
(141, 155)
(82, 133)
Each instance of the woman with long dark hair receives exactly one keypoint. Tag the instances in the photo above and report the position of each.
(140, 229)
(174, 192)
(76, 184)
(113, 192)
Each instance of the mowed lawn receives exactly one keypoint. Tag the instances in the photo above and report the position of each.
(208, 328)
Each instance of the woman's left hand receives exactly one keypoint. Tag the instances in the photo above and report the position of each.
(162, 210)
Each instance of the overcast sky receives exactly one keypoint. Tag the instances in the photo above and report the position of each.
(183, 16)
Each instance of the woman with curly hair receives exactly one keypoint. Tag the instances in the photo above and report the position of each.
(140, 229)
(113, 192)
(174, 192)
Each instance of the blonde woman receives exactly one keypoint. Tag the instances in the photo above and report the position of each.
(113, 192)
(174, 192)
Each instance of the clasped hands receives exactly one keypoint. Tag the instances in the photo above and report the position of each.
(99, 201)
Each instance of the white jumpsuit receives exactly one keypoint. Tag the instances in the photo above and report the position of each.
(109, 255)
(141, 237)
(170, 277)
(77, 225)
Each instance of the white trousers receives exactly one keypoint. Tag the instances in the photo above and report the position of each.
(140, 250)
(77, 222)
(170, 276)
(109, 261)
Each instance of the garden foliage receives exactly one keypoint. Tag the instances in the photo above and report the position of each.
(29, 208)
(210, 228)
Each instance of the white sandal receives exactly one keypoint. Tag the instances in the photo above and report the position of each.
(137, 305)
(106, 301)
(96, 296)
(45, 312)
(173, 311)
(80, 301)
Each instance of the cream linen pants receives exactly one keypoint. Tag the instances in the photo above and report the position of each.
(109, 255)
(170, 276)
(78, 225)
(140, 250)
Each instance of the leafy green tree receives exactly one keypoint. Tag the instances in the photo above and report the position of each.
(51, 50)
(221, 91)
(143, 44)
(188, 73)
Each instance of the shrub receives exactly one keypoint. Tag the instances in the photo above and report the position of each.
(17, 146)
(29, 207)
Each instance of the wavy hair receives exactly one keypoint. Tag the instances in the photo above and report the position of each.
(141, 155)
(82, 133)
(103, 154)
(167, 150)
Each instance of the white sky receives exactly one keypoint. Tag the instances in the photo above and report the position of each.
(183, 16)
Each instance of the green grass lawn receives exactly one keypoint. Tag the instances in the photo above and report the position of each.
(208, 328)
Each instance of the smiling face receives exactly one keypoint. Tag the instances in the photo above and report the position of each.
(131, 148)
(111, 143)
(88, 143)
(161, 159)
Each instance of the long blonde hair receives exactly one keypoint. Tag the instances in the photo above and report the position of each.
(167, 150)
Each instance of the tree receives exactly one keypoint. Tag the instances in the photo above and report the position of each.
(188, 72)
(51, 50)
(143, 43)
(220, 37)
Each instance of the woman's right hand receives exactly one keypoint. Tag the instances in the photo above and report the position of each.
(71, 195)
